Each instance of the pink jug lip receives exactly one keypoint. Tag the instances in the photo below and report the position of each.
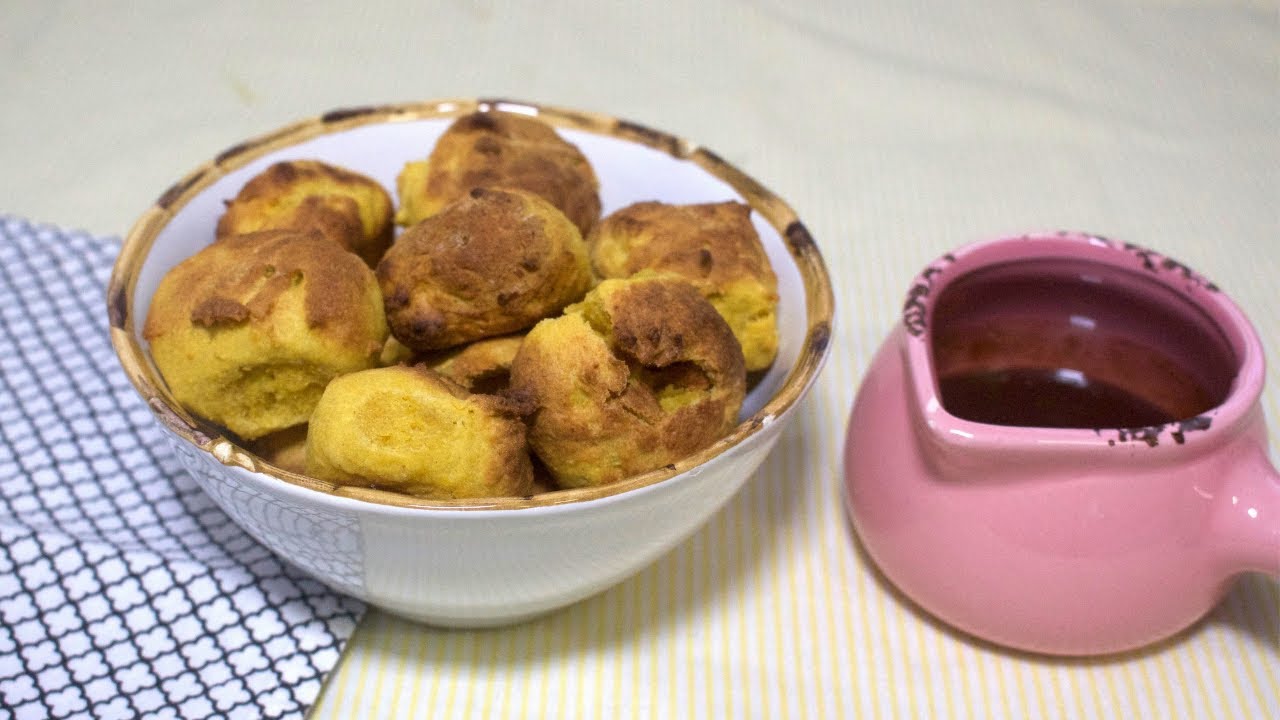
(1173, 438)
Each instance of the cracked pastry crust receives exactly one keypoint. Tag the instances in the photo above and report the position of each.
(346, 207)
(248, 331)
(483, 366)
(712, 245)
(407, 429)
(500, 149)
(641, 373)
(493, 263)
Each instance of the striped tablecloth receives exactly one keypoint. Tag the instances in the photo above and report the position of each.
(773, 610)
(897, 135)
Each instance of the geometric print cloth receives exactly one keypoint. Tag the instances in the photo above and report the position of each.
(125, 592)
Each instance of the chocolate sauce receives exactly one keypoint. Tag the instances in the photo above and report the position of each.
(1029, 397)
(1067, 343)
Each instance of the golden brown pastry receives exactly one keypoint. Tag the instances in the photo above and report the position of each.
(285, 449)
(395, 353)
(500, 149)
(483, 366)
(346, 207)
(248, 331)
(641, 373)
(494, 262)
(406, 429)
(715, 247)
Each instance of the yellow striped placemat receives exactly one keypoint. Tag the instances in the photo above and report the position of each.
(789, 622)
(771, 610)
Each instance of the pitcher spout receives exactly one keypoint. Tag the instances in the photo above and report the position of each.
(1248, 519)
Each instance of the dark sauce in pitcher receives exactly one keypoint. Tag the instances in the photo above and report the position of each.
(1064, 343)
(1046, 398)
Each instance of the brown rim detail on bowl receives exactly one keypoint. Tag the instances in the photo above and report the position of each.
(819, 305)
(176, 190)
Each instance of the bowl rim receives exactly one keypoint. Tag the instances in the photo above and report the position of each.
(142, 373)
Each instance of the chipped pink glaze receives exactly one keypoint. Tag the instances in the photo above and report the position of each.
(1060, 541)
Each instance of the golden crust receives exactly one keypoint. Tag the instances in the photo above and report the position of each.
(641, 373)
(482, 366)
(346, 207)
(248, 331)
(407, 429)
(500, 149)
(395, 353)
(712, 245)
(495, 262)
(285, 449)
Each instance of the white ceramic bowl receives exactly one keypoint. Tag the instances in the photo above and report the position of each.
(490, 561)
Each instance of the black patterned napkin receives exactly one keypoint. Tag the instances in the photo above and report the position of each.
(124, 591)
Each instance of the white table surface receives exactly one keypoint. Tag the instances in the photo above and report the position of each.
(896, 130)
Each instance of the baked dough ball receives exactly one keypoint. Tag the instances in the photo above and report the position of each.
(395, 353)
(285, 449)
(712, 245)
(483, 366)
(406, 429)
(248, 331)
(494, 262)
(346, 207)
(500, 149)
(640, 374)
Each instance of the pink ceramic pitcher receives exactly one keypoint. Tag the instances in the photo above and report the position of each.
(1061, 447)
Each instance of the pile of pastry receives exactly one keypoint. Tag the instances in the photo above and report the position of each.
(508, 341)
